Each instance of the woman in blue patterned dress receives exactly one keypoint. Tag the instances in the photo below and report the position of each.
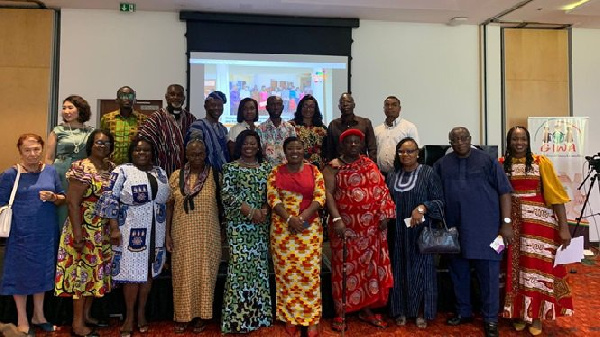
(417, 191)
(135, 203)
(247, 299)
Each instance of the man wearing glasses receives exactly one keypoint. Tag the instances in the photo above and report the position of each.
(123, 124)
(391, 132)
(477, 201)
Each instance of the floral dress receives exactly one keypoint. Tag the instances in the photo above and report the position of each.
(86, 273)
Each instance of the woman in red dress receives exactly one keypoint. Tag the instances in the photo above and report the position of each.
(535, 289)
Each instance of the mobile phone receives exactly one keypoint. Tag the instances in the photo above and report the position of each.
(306, 224)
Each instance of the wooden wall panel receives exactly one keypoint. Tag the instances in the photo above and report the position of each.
(26, 37)
(536, 76)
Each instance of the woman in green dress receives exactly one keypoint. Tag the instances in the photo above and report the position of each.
(66, 143)
(246, 299)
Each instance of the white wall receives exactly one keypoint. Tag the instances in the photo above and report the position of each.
(433, 69)
(102, 50)
(586, 102)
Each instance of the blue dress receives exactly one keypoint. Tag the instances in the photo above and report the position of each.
(29, 260)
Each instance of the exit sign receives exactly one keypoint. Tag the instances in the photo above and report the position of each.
(127, 7)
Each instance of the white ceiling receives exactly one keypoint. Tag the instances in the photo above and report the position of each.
(423, 11)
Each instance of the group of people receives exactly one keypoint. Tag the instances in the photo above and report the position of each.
(146, 186)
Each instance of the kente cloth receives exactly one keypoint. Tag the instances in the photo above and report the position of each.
(124, 129)
(85, 273)
(166, 135)
(363, 200)
(297, 256)
(129, 200)
(534, 288)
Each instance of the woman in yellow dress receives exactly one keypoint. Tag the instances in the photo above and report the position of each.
(295, 192)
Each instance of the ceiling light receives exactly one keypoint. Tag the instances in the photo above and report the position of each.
(570, 7)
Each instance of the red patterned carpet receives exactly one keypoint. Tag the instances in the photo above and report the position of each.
(586, 322)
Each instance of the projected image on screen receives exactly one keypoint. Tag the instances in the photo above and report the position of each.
(259, 76)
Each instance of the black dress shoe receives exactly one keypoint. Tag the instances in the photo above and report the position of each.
(458, 320)
(491, 329)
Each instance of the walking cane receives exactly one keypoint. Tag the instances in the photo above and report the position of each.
(344, 256)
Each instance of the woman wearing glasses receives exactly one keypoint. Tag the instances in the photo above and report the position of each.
(84, 253)
(417, 190)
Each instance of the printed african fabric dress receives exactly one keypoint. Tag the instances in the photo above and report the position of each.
(297, 256)
(246, 298)
(85, 273)
(196, 234)
(534, 288)
(141, 213)
(313, 138)
(363, 200)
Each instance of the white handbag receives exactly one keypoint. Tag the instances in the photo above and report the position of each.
(6, 211)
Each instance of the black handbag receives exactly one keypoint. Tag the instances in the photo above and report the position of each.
(438, 238)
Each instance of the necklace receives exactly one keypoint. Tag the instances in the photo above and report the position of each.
(248, 164)
(76, 148)
(36, 170)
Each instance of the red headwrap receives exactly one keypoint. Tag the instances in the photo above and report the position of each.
(352, 132)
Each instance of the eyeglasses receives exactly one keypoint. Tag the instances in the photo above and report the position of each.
(127, 95)
(102, 143)
(407, 151)
(462, 139)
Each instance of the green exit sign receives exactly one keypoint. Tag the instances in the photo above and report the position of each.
(127, 7)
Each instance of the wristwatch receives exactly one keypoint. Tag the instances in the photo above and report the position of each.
(421, 210)
(507, 220)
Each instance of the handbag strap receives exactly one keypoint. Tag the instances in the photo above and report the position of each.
(441, 208)
(15, 186)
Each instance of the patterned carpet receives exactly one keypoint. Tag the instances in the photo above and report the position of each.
(586, 322)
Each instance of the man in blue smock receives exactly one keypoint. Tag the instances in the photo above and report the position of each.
(477, 195)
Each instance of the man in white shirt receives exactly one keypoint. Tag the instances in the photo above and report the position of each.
(392, 131)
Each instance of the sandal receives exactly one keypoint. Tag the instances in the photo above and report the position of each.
(199, 326)
(374, 319)
(143, 328)
(400, 320)
(313, 331)
(125, 333)
(519, 325)
(291, 329)
(179, 327)
(535, 331)
(421, 322)
(338, 325)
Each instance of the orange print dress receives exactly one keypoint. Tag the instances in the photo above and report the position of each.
(297, 257)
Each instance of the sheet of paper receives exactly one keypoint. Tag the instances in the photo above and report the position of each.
(573, 253)
(498, 244)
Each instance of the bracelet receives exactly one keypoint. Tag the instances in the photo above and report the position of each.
(287, 221)
(336, 219)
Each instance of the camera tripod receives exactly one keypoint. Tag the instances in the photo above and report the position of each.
(594, 176)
